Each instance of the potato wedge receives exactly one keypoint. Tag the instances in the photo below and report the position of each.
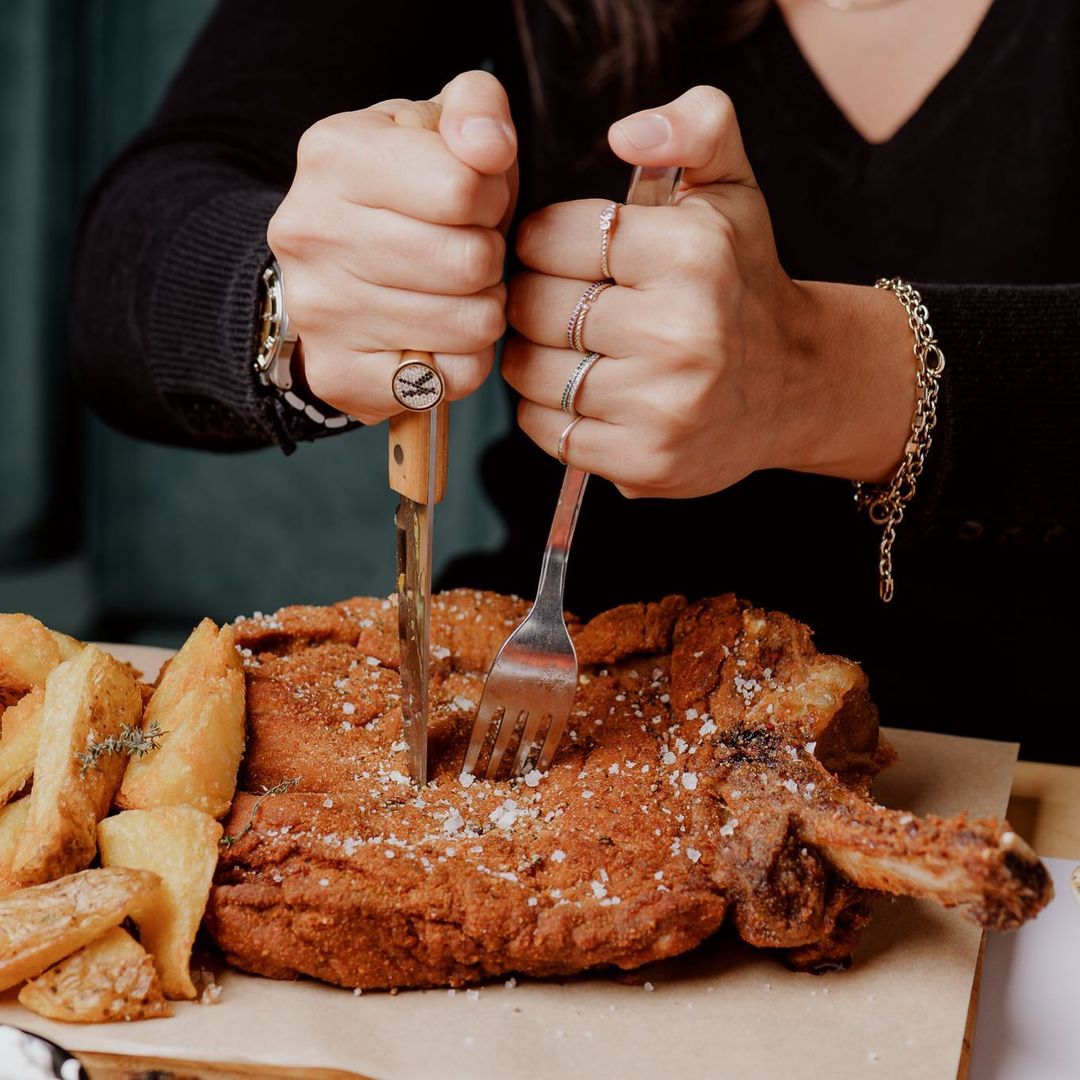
(45, 923)
(180, 845)
(87, 700)
(28, 652)
(112, 978)
(199, 708)
(12, 825)
(20, 734)
(69, 647)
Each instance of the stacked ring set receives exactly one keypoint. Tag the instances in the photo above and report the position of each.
(575, 329)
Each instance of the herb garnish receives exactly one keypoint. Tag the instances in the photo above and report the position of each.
(277, 789)
(133, 741)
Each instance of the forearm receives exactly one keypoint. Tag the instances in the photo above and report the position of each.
(166, 274)
(852, 415)
(1004, 454)
(173, 241)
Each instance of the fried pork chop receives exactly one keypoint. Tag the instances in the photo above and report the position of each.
(715, 766)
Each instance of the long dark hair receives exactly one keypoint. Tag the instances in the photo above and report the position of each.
(632, 34)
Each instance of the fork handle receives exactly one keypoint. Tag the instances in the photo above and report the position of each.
(557, 551)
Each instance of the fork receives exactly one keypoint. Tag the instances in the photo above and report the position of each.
(531, 683)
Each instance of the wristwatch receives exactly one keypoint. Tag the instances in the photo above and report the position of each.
(277, 346)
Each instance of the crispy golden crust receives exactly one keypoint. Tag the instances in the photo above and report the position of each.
(688, 789)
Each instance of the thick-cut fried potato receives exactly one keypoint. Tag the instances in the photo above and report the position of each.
(45, 923)
(87, 700)
(112, 978)
(20, 733)
(12, 824)
(199, 707)
(28, 652)
(180, 845)
(69, 647)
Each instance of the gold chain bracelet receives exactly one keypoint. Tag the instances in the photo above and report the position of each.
(885, 503)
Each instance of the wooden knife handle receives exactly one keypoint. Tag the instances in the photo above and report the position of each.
(410, 449)
(410, 432)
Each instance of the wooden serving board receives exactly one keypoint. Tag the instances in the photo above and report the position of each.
(115, 1067)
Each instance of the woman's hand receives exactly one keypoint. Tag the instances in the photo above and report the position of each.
(392, 238)
(714, 362)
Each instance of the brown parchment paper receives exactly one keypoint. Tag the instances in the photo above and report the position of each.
(724, 1010)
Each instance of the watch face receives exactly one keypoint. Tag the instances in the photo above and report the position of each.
(418, 386)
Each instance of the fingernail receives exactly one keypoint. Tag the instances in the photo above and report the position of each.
(486, 129)
(646, 131)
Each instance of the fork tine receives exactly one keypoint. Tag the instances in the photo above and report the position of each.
(528, 739)
(510, 721)
(485, 716)
(554, 735)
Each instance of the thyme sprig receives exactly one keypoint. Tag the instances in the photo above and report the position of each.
(277, 789)
(133, 741)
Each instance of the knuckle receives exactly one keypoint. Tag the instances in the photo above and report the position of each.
(658, 470)
(482, 320)
(322, 377)
(317, 144)
(704, 244)
(714, 106)
(475, 260)
(465, 374)
(457, 190)
(286, 231)
(309, 306)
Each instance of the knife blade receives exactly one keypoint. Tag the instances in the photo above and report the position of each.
(417, 472)
(419, 443)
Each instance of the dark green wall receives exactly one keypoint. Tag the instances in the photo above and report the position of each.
(100, 534)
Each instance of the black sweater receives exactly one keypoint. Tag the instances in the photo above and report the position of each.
(973, 199)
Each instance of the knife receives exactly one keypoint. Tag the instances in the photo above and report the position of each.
(419, 444)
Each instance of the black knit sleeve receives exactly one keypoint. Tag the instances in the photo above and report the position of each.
(1006, 454)
(172, 240)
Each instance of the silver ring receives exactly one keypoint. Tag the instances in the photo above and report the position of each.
(576, 331)
(560, 450)
(576, 323)
(607, 227)
(417, 385)
(574, 383)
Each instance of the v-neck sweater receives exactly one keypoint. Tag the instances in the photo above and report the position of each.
(973, 199)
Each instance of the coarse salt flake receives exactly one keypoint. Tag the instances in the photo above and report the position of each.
(689, 780)
(708, 727)
(599, 889)
(324, 882)
(328, 803)
(532, 778)
(729, 827)
(466, 779)
(791, 786)
(558, 855)
(348, 708)
(693, 854)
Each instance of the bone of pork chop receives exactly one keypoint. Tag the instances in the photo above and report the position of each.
(980, 865)
(716, 767)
